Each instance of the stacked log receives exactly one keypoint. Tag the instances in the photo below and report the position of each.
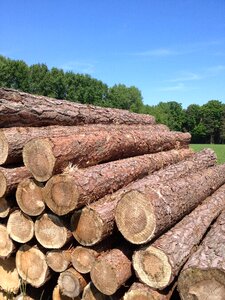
(82, 188)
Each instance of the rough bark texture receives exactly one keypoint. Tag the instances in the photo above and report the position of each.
(12, 140)
(22, 109)
(203, 276)
(29, 197)
(6, 244)
(57, 295)
(9, 277)
(31, 265)
(110, 271)
(58, 260)
(140, 291)
(9, 179)
(50, 231)
(45, 157)
(4, 208)
(77, 187)
(100, 215)
(147, 211)
(170, 251)
(71, 283)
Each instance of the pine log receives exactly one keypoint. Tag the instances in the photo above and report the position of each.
(110, 271)
(9, 179)
(140, 291)
(9, 277)
(31, 265)
(6, 244)
(20, 227)
(29, 197)
(57, 295)
(50, 231)
(203, 276)
(58, 260)
(71, 283)
(100, 215)
(170, 251)
(92, 293)
(77, 187)
(22, 109)
(145, 212)
(45, 157)
(4, 208)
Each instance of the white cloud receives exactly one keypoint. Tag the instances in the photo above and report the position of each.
(186, 76)
(79, 67)
(157, 52)
(178, 87)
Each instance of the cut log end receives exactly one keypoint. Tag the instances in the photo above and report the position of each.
(91, 293)
(20, 227)
(30, 198)
(197, 284)
(3, 184)
(39, 159)
(6, 244)
(83, 259)
(61, 194)
(57, 295)
(4, 208)
(86, 235)
(58, 260)
(135, 218)
(138, 295)
(4, 148)
(9, 277)
(152, 267)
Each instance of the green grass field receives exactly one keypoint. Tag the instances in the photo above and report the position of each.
(219, 149)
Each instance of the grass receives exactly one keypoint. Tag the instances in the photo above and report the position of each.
(219, 149)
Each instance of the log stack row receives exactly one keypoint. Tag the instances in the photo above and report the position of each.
(99, 203)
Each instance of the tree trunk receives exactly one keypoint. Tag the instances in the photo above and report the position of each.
(31, 265)
(58, 260)
(75, 188)
(9, 278)
(50, 231)
(145, 212)
(9, 179)
(29, 197)
(170, 251)
(100, 215)
(71, 283)
(22, 109)
(203, 276)
(110, 271)
(45, 157)
(6, 244)
(20, 227)
(57, 295)
(4, 208)
(13, 139)
(144, 292)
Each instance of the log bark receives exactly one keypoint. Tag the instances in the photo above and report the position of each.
(9, 179)
(29, 197)
(145, 212)
(77, 187)
(57, 295)
(13, 139)
(50, 231)
(9, 277)
(159, 263)
(20, 227)
(71, 283)
(31, 265)
(4, 208)
(58, 260)
(110, 271)
(46, 157)
(203, 276)
(6, 244)
(100, 215)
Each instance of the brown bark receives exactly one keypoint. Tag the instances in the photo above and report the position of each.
(6, 244)
(20, 227)
(4, 208)
(12, 140)
(50, 231)
(169, 252)
(203, 276)
(58, 260)
(100, 215)
(140, 291)
(57, 295)
(22, 109)
(9, 277)
(45, 157)
(9, 179)
(77, 187)
(71, 283)
(31, 265)
(110, 271)
(29, 197)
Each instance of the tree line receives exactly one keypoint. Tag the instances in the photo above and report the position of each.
(206, 123)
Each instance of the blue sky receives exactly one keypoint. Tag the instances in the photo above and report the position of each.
(169, 49)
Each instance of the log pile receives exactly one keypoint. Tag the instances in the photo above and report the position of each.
(99, 203)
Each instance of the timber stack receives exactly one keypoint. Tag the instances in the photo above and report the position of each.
(101, 203)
